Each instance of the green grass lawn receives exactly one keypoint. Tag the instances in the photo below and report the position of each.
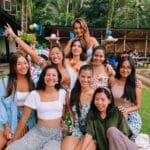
(145, 111)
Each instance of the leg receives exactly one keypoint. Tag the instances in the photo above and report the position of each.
(91, 146)
(118, 141)
(52, 145)
(33, 140)
(3, 140)
(69, 143)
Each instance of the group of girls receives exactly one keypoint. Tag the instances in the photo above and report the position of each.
(76, 79)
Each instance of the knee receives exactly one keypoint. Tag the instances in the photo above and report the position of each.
(111, 131)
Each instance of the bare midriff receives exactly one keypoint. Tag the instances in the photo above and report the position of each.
(53, 123)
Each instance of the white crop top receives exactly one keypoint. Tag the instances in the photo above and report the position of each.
(21, 96)
(46, 110)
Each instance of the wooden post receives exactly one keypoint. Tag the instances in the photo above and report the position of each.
(124, 43)
(146, 45)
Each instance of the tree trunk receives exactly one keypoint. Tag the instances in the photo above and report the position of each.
(67, 11)
(110, 14)
(137, 14)
(24, 16)
(81, 3)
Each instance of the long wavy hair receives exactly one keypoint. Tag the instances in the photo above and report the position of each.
(83, 55)
(130, 86)
(84, 26)
(41, 83)
(12, 76)
(110, 107)
(76, 91)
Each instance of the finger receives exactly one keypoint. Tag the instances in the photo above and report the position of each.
(8, 25)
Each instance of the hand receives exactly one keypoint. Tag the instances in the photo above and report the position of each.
(138, 84)
(9, 142)
(109, 69)
(9, 31)
(7, 132)
(124, 111)
(64, 127)
(25, 130)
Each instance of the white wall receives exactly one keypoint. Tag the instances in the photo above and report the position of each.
(12, 45)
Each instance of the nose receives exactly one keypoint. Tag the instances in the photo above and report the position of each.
(85, 79)
(24, 65)
(99, 102)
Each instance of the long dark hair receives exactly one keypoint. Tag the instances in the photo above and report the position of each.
(12, 76)
(76, 91)
(83, 55)
(101, 48)
(41, 84)
(109, 95)
(129, 89)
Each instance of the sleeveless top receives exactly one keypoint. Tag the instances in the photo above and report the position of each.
(89, 53)
(21, 96)
(102, 82)
(117, 91)
(80, 122)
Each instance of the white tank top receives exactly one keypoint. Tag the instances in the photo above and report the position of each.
(21, 96)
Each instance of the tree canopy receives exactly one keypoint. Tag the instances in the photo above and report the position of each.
(97, 13)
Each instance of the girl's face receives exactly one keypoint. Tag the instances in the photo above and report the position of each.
(125, 69)
(56, 56)
(51, 77)
(78, 30)
(22, 66)
(101, 101)
(76, 48)
(98, 57)
(85, 77)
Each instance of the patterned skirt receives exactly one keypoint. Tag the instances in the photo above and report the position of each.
(135, 123)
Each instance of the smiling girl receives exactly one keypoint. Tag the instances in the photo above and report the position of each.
(49, 100)
(106, 124)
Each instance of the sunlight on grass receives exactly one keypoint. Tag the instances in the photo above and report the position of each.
(145, 111)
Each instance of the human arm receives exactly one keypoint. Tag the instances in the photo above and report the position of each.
(138, 83)
(90, 131)
(22, 122)
(94, 42)
(22, 44)
(122, 124)
(5, 103)
(86, 140)
(137, 105)
(111, 72)
(7, 131)
(67, 109)
(68, 47)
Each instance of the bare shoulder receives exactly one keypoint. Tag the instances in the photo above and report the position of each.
(94, 41)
